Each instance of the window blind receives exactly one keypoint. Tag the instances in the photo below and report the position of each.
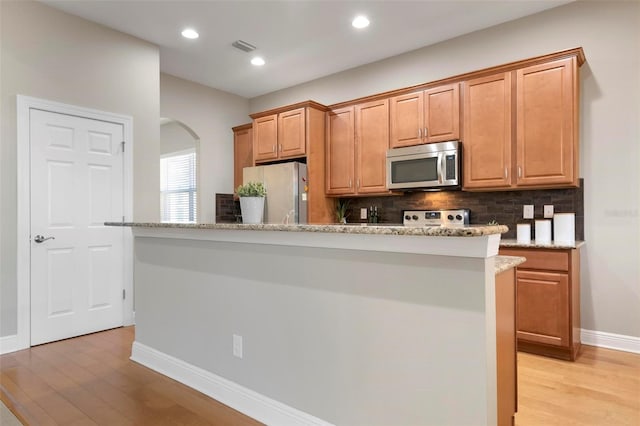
(178, 187)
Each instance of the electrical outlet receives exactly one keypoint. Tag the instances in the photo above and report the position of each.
(527, 211)
(548, 211)
(237, 346)
(363, 213)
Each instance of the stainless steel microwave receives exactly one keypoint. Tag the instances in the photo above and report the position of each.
(430, 166)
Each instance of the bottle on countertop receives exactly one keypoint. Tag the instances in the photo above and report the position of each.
(373, 214)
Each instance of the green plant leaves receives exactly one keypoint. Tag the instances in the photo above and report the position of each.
(251, 189)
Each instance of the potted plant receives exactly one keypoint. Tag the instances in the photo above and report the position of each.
(252, 201)
(342, 205)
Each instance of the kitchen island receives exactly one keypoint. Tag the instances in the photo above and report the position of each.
(327, 324)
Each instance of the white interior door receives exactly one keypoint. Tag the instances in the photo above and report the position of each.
(77, 276)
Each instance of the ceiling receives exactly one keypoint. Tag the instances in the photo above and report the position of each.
(300, 40)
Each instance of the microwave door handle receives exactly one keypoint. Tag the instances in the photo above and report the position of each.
(440, 167)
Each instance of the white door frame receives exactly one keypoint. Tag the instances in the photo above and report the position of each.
(24, 104)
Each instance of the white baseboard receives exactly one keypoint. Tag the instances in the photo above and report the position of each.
(251, 403)
(8, 344)
(602, 339)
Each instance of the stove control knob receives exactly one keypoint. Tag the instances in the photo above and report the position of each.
(450, 217)
(458, 217)
(407, 217)
(414, 217)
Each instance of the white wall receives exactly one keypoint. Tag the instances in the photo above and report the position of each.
(175, 138)
(211, 114)
(609, 32)
(48, 54)
(352, 337)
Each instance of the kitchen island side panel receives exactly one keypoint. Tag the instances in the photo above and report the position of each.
(348, 336)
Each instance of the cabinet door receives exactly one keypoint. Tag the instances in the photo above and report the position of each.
(340, 151)
(291, 133)
(442, 113)
(372, 142)
(546, 134)
(487, 132)
(265, 138)
(406, 119)
(543, 307)
(242, 154)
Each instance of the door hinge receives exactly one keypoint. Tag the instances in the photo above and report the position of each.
(123, 293)
(122, 143)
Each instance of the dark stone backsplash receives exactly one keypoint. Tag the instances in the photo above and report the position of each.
(227, 209)
(505, 207)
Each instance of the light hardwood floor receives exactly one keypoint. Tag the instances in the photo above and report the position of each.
(90, 380)
(601, 388)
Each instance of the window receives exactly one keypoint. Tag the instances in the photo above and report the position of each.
(178, 187)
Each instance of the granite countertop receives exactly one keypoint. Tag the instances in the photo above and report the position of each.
(504, 263)
(508, 243)
(433, 231)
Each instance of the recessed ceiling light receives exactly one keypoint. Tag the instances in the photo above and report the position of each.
(360, 21)
(190, 33)
(257, 61)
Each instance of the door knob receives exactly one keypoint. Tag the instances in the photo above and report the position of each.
(41, 239)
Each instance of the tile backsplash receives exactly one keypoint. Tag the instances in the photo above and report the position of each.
(227, 209)
(505, 207)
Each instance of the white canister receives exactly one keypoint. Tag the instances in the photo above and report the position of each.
(543, 232)
(523, 231)
(564, 228)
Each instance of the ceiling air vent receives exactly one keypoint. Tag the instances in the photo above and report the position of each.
(243, 45)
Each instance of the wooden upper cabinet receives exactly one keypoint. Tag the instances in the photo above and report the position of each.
(406, 119)
(442, 113)
(432, 115)
(297, 132)
(487, 132)
(242, 151)
(546, 105)
(340, 171)
(372, 143)
(265, 138)
(521, 128)
(291, 133)
(280, 136)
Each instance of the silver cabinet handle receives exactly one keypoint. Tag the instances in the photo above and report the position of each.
(41, 239)
(358, 183)
(274, 148)
(506, 173)
(280, 148)
(519, 171)
(419, 133)
(349, 183)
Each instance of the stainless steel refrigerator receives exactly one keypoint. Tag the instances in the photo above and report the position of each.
(286, 200)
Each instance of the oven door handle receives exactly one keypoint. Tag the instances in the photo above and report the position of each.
(440, 167)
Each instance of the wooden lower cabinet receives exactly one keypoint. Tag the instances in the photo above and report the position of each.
(506, 363)
(548, 301)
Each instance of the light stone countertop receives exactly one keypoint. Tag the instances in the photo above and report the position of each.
(381, 229)
(504, 263)
(509, 243)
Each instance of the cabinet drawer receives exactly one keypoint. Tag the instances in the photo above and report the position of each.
(550, 260)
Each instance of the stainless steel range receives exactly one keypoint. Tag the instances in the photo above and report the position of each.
(459, 217)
